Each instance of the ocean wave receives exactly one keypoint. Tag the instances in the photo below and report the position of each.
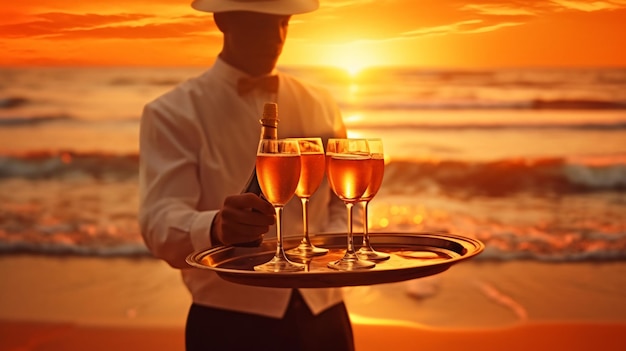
(534, 79)
(13, 102)
(555, 248)
(434, 103)
(99, 218)
(62, 249)
(518, 125)
(504, 177)
(577, 104)
(493, 178)
(499, 246)
(26, 121)
(34, 120)
(38, 165)
(127, 81)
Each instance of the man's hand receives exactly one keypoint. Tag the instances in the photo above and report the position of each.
(244, 218)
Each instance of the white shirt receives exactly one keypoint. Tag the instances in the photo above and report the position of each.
(197, 146)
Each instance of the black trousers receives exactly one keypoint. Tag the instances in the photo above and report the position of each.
(299, 330)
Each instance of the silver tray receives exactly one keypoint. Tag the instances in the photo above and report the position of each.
(413, 255)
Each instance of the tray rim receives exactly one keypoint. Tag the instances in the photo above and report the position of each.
(256, 278)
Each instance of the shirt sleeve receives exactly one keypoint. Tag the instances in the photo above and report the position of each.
(171, 226)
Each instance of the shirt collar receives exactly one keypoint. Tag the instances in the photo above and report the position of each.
(231, 75)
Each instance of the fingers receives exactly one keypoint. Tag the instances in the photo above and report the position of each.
(249, 201)
(244, 218)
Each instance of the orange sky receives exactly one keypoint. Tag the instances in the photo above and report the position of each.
(346, 33)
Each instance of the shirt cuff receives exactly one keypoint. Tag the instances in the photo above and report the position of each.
(200, 231)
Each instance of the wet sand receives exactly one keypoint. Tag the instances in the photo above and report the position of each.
(554, 336)
(76, 303)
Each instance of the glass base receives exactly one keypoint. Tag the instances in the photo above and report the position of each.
(278, 264)
(307, 250)
(351, 264)
(368, 253)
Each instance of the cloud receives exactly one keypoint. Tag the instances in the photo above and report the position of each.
(534, 8)
(55, 23)
(439, 30)
(499, 9)
(68, 26)
(590, 6)
(336, 4)
(462, 27)
(493, 27)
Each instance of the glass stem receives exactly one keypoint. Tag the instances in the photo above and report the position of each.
(366, 236)
(280, 253)
(350, 251)
(305, 220)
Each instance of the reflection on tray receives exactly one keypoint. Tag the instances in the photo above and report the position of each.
(426, 255)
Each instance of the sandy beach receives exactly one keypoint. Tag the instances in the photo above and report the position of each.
(78, 303)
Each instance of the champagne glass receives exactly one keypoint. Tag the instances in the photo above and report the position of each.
(377, 165)
(278, 171)
(349, 176)
(311, 175)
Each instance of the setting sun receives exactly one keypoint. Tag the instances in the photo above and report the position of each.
(353, 69)
(349, 61)
(352, 57)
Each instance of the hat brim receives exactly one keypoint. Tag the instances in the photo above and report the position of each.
(275, 7)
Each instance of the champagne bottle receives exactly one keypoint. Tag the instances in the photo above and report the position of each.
(269, 130)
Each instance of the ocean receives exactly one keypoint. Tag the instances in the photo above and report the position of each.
(530, 161)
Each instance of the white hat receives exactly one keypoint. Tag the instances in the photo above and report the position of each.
(275, 7)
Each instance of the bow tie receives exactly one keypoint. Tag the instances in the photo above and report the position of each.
(267, 83)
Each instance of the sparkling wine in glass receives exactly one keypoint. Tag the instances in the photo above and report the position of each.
(311, 176)
(278, 171)
(349, 176)
(377, 166)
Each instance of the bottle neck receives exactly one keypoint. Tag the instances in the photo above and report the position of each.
(269, 121)
(269, 128)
